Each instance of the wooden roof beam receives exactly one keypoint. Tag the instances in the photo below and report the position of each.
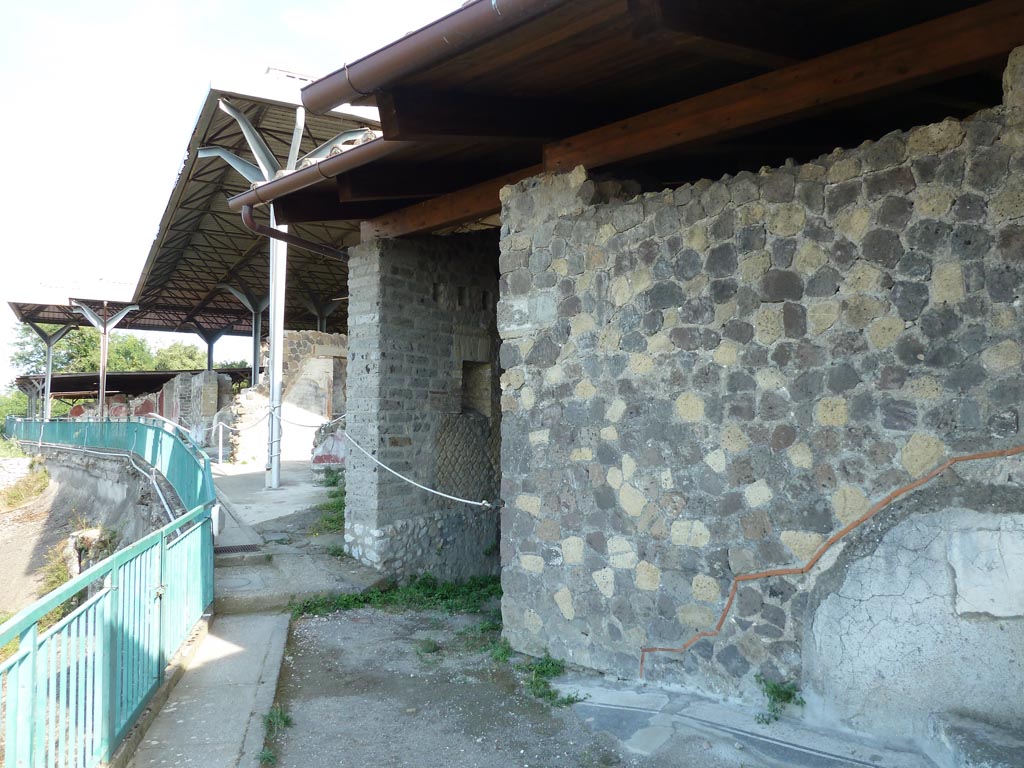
(749, 31)
(448, 210)
(418, 115)
(948, 46)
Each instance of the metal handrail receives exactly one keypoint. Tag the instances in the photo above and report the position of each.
(70, 692)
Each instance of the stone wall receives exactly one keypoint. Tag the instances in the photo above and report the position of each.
(711, 380)
(422, 317)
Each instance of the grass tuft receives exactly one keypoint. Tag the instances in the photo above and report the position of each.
(539, 674)
(333, 518)
(424, 593)
(11, 449)
(779, 696)
(24, 490)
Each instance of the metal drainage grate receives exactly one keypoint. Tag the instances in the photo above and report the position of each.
(236, 548)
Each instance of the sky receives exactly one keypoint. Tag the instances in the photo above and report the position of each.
(99, 102)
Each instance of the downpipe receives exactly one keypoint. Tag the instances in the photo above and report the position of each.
(286, 237)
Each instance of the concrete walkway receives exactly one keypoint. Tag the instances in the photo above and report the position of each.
(214, 716)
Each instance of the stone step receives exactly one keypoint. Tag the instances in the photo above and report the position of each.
(968, 743)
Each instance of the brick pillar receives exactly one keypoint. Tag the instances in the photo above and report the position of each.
(421, 312)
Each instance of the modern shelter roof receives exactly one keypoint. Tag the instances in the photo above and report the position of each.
(86, 385)
(498, 91)
(202, 245)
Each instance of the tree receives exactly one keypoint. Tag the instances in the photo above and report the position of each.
(79, 352)
(233, 364)
(179, 357)
(13, 402)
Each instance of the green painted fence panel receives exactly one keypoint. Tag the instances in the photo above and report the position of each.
(76, 683)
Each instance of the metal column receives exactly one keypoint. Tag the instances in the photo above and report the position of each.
(49, 339)
(278, 274)
(256, 305)
(104, 325)
(211, 338)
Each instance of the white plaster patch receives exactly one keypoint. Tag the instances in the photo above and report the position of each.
(989, 568)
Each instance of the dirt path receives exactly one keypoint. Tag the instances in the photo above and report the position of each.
(368, 687)
(26, 535)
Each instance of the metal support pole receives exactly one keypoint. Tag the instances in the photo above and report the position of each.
(211, 338)
(256, 305)
(50, 340)
(105, 325)
(278, 273)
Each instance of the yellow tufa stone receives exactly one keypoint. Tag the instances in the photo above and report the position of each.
(513, 379)
(935, 138)
(704, 587)
(527, 398)
(863, 278)
(621, 293)
(786, 220)
(800, 455)
(641, 364)
(615, 477)
(582, 323)
(924, 388)
(532, 563)
(563, 599)
(948, 284)
(1003, 317)
(922, 453)
(727, 353)
(532, 621)
(716, 460)
(1004, 356)
(659, 344)
(803, 544)
(768, 325)
(758, 494)
(933, 201)
(821, 316)
(695, 617)
(690, 533)
(770, 378)
(696, 237)
(628, 466)
(605, 581)
(585, 390)
(733, 439)
(528, 502)
(581, 454)
(849, 503)
(648, 576)
(540, 437)
(609, 434)
(843, 170)
(621, 553)
(854, 223)
(572, 550)
(884, 331)
(615, 410)
(755, 265)
(631, 500)
(809, 258)
(831, 412)
(690, 407)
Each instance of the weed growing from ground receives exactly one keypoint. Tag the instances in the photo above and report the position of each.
(539, 674)
(779, 696)
(501, 651)
(275, 721)
(424, 593)
(11, 449)
(333, 519)
(24, 489)
(268, 756)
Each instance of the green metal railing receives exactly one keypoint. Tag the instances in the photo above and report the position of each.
(71, 691)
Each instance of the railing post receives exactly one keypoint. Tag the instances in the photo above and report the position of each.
(24, 750)
(220, 442)
(109, 667)
(162, 608)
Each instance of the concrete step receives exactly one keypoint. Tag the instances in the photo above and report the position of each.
(287, 578)
(970, 743)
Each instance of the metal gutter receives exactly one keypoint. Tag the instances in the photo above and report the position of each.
(360, 155)
(299, 242)
(459, 31)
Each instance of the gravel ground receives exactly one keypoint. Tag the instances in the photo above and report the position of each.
(373, 688)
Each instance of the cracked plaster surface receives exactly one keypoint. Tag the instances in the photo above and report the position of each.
(891, 646)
